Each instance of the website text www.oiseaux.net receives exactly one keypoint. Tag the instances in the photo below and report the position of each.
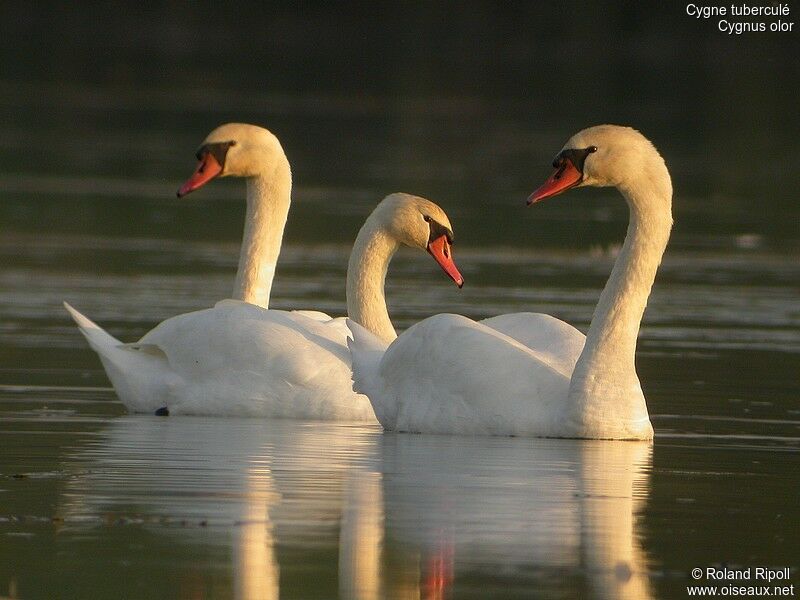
(742, 583)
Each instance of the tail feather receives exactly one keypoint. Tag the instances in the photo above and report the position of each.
(366, 352)
(98, 339)
(138, 375)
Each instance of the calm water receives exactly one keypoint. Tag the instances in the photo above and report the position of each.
(98, 130)
(94, 503)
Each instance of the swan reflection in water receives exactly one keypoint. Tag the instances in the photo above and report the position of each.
(256, 506)
(519, 512)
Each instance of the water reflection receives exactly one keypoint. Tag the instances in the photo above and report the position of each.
(274, 504)
(255, 566)
(518, 509)
(361, 537)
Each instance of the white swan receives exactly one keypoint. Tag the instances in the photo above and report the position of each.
(242, 359)
(531, 374)
(252, 152)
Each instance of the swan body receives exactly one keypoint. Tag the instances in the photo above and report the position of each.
(240, 358)
(235, 359)
(530, 374)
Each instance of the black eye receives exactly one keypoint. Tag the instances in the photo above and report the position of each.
(427, 218)
(592, 149)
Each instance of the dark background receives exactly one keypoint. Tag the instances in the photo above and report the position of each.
(464, 102)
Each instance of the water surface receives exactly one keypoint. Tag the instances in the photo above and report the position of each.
(93, 501)
(101, 117)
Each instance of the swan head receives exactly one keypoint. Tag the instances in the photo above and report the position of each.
(419, 223)
(603, 156)
(236, 150)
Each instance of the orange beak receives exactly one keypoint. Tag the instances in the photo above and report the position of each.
(207, 169)
(439, 249)
(564, 177)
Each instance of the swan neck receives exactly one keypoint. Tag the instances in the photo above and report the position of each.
(604, 382)
(268, 199)
(366, 277)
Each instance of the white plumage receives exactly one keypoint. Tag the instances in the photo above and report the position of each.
(240, 358)
(235, 359)
(530, 374)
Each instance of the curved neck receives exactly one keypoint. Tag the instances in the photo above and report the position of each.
(268, 199)
(604, 383)
(366, 275)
